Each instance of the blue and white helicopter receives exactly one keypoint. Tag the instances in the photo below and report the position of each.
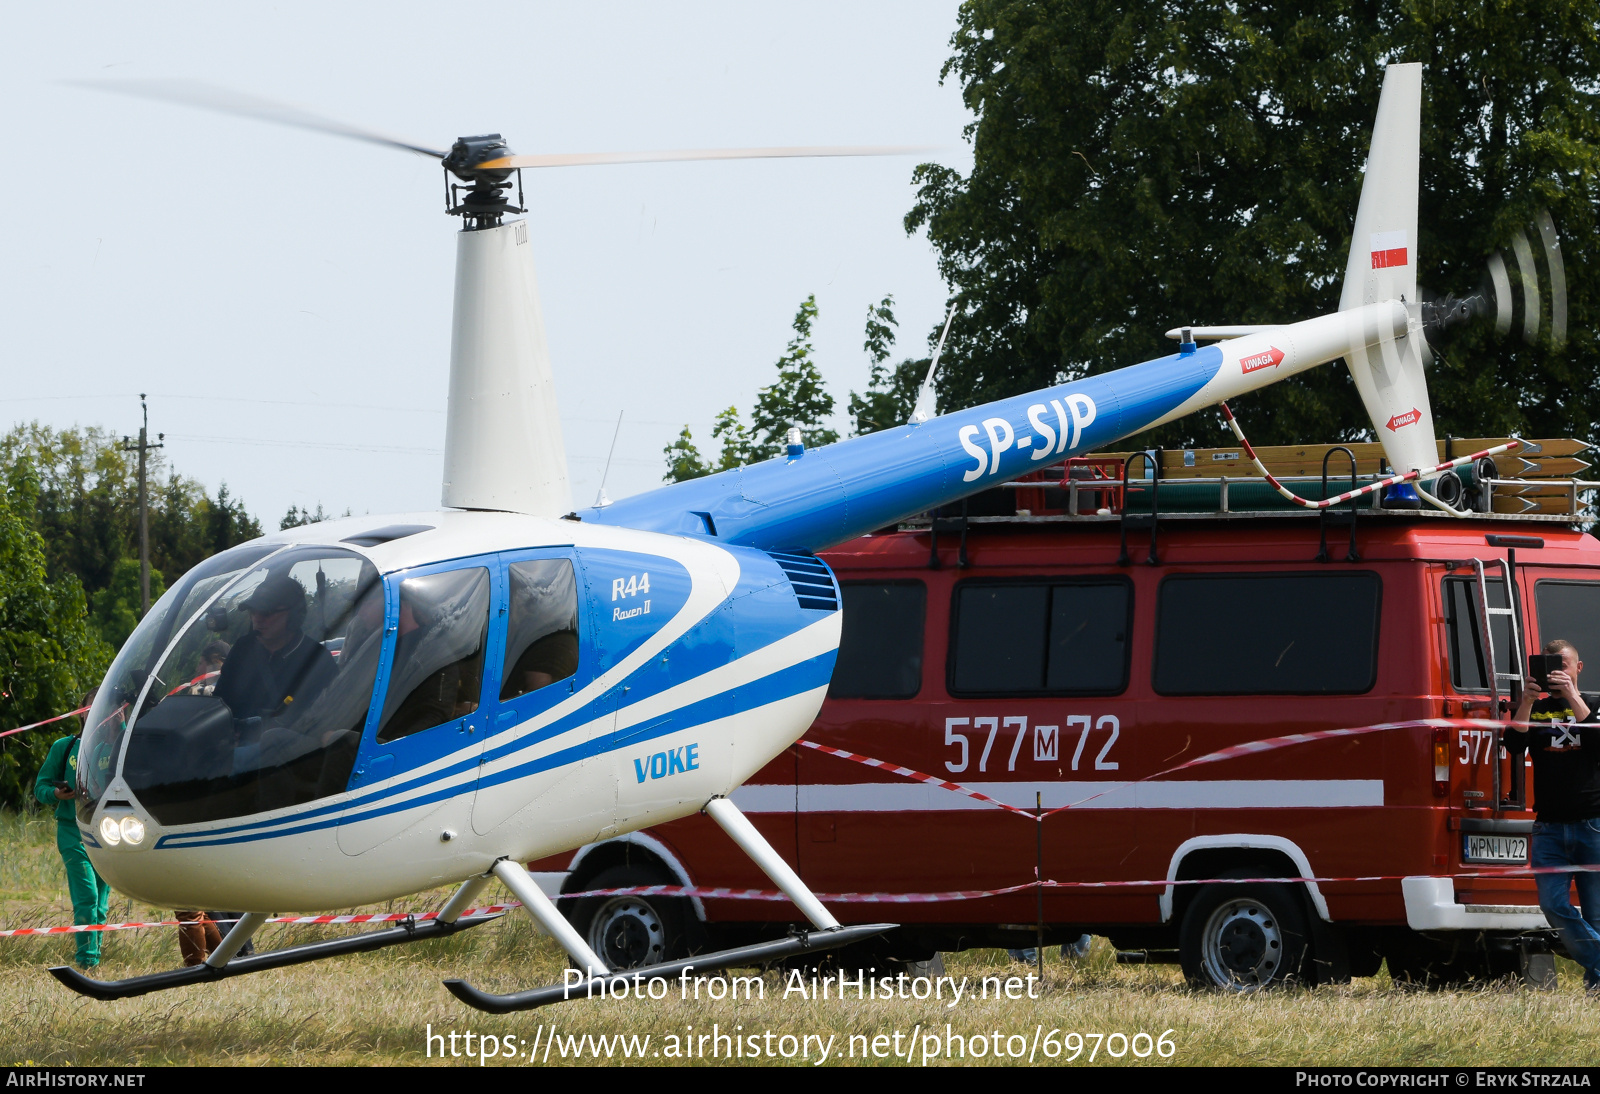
(438, 697)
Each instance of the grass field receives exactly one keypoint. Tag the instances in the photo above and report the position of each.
(378, 1008)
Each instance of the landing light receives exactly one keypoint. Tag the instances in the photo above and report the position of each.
(109, 831)
(132, 830)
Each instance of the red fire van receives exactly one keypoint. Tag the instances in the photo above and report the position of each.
(1045, 658)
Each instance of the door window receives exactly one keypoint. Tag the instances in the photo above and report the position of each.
(1570, 610)
(1468, 671)
(541, 626)
(439, 652)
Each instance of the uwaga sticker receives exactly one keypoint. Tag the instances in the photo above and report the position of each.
(1408, 418)
(1258, 361)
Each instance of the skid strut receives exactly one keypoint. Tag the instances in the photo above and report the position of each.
(827, 935)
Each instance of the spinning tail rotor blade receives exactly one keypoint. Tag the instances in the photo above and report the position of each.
(227, 101)
(590, 159)
(1558, 276)
(1514, 292)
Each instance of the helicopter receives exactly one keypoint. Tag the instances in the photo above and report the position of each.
(436, 698)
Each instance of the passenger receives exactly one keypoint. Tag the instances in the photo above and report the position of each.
(57, 785)
(546, 660)
(275, 670)
(208, 668)
(441, 696)
(1565, 744)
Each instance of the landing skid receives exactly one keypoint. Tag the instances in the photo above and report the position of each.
(760, 954)
(277, 959)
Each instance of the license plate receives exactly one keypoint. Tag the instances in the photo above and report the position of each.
(1484, 848)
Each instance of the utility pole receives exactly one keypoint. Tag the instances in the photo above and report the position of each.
(143, 447)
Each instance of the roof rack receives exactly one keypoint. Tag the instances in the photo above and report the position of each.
(1538, 481)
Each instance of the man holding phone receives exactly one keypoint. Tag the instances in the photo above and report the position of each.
(1560, 731)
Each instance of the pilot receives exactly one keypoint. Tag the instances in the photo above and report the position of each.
(275, 670)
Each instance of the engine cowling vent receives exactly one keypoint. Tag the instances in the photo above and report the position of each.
(812, 581)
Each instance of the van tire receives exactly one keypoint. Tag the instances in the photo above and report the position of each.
(1242, 938)
(628, 932)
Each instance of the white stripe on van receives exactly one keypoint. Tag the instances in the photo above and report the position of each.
(1209, 794)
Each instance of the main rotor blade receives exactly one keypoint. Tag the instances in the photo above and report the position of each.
(227, 101)
(589, 159)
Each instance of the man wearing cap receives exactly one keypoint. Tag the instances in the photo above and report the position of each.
(275, 669)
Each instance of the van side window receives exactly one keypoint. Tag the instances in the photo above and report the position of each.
(1267, 634)
(1467, 669)
(541, 627)
(880, 648)
(438, 652)
(1045, 638)
(1570, 610)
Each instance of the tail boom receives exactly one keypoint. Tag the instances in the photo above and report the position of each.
(835, 493)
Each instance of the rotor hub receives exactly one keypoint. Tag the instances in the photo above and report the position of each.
(485, 199)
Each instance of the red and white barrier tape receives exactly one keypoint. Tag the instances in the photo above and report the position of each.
(47, 721)
(910, 773)
(1360, 491)
(772, 895)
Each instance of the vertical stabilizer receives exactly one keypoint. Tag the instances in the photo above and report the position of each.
(502, 446)
(1383, 266)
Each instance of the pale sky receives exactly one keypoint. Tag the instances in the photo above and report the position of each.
(284, 296)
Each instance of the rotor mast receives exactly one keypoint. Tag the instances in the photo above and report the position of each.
(503, 447)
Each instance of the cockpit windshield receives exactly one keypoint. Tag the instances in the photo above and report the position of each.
(112, 708)
(262, 692)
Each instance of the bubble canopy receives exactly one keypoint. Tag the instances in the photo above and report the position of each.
(244, 689)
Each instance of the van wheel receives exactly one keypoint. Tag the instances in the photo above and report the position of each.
(1242, 938)
(629, 931)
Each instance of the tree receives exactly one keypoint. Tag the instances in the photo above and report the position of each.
(297, 517)
(738, 444)
(1138, 165)
(87, 508)
(49, 656)
(684, 461)
(891, 393)
(797, 398)
(116, 607)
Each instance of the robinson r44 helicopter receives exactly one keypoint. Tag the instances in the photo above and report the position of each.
(439, 697)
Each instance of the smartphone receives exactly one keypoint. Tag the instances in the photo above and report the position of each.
(1541, 665)
(61, 785)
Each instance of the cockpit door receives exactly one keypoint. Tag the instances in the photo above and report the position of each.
(419, 752)
(546, 713)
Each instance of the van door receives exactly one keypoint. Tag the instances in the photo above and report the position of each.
(1473, 755)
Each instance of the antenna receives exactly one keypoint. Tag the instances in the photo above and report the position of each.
(600, 499)
(925, 394)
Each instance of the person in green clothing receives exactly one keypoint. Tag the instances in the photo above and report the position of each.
(57, 785)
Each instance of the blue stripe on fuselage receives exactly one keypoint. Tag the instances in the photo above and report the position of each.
(793, 680)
